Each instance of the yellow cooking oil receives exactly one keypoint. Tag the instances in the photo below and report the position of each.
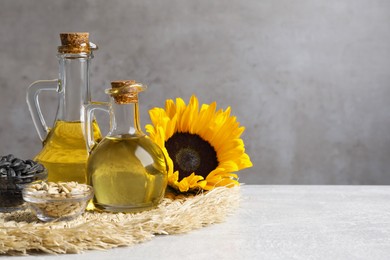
(64, 153)
(128, 173)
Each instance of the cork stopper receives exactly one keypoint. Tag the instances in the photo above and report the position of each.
(125, 91)
(75, 42)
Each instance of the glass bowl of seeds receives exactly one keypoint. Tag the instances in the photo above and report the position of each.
(57, 201)
(15, 174)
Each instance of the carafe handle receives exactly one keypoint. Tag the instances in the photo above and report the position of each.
(32, 99)
(89, 117)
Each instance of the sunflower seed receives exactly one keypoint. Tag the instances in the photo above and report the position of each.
(10, 157)
(30, 162)
(16, 163)
(3, 171)
(4, 164)
(11, 172)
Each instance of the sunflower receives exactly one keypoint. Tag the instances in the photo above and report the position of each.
(202, 146)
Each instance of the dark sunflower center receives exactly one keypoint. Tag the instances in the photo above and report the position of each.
(188, 159)
(190, 153)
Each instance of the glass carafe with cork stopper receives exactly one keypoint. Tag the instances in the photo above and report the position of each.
(64, 152)
(127, 170)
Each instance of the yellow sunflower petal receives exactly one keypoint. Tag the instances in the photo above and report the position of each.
(150, 130)
(180, 108)
(169, 163)
(183, 185)
(245, 161)
(229, 166)
(174, 177)
(171, 127)
(207, 122)
(219, 178)
(156, 115)
(189, 115)
(231, 144)
(219, 182)
(206, 115)
(194, 180)
(229, 183)
(170, 108)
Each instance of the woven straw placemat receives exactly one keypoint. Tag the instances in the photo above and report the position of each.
(21, 233)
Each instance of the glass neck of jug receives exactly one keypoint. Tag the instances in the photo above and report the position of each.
(73, 85)
(124, 120)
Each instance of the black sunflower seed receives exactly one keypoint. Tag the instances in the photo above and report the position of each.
(16, 163)
(3, 171)
(10, 157)
(30, 162)
(11, 172)
(20, 167)
(4, 164)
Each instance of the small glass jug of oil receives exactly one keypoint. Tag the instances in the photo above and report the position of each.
(64, 152)
(127, 170)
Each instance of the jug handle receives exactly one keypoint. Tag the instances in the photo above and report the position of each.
(89, 117)
(32, 99)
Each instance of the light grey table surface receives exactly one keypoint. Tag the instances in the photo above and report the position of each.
(279, 222)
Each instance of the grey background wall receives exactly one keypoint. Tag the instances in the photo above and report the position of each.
(309, 80)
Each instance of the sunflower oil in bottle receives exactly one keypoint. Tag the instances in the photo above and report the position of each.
(64, 152)
(127, 170)
(127, 173)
